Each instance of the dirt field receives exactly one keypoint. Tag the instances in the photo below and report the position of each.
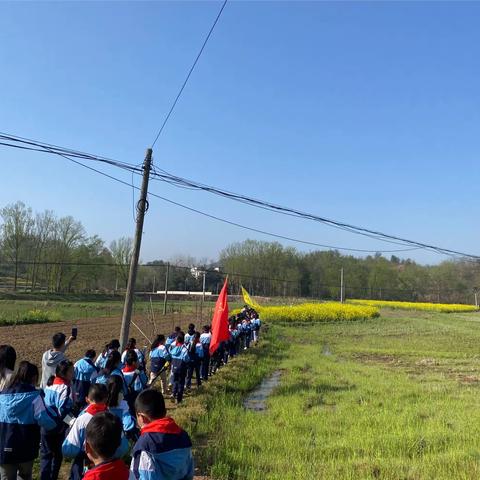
(30, 341)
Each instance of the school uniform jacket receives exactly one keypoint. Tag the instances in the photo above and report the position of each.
(159, 357)
(58, 397)
(22, 413)
(138, 377)
(163, 452)
(103, 378)
(122, 411)
(84, 371)
(74, 444)
(140, 356)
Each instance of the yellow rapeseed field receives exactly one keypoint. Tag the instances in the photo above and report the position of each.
(429, 307)
(317, 312)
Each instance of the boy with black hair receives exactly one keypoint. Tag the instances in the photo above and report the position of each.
(172, 337)
(73, 446)
(180, 359)
(134, 376)
(84, 370)
(51, 358)
(190, 334)
(163, 450)
(103, 437)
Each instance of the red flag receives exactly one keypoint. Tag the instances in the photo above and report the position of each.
(220, 332)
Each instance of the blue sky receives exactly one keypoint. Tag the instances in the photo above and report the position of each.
(363, 112)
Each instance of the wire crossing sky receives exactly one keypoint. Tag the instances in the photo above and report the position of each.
(365, 112)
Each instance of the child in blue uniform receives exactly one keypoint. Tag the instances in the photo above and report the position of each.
(205, 339)
(74, 444)
(134, 377)
(132, 345)
(159, 358)
(58, 396)
(23, 413)
(112, 368)
(164, 450)
(179, 353)
(118, 405)
(189, 336)
(195, 352)
(84, 370)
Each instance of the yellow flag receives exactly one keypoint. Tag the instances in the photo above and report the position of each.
(248, 300)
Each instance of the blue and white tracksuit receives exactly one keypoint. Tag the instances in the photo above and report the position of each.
(140, 356)
(122, 411)
(22, 413)
(84, 370)
(104, 376)
(205, 339)
(74, 444)
(163, 452)
(180, 359)
(136, 376)
(195, 364)
(58, 397)
(101, 360)
(256, 324)
(189, 336)
(158, 358)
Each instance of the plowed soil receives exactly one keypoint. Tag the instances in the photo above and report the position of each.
(30, 341)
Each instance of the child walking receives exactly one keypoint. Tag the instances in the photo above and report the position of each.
(164, 450)
(159, 358)
(23, 413)
(103, 437)
(58, 396)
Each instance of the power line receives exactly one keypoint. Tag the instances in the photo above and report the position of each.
(264, 232)
(189, 73)
(175, 180)
(14, 141)
(28, 144)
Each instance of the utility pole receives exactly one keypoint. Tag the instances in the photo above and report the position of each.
(142, 207)
(476, 299)
(342, 299)
(153, 288)
(204, 273)
(166, 290)
(203, 287)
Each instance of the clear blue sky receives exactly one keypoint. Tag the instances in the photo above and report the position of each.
(362, 112)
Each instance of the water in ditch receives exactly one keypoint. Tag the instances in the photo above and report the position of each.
(257, 400)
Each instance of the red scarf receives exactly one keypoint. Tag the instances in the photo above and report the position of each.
(129, 369)
(60, 381)
(162, 425)
(95, 408)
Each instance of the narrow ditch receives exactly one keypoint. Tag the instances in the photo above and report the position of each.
(257, 400)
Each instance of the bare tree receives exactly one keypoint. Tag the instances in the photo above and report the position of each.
(122, 254)
(15, 233)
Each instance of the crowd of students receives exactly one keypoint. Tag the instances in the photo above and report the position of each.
(93, 411)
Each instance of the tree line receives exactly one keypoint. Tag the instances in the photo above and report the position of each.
(277, 270)
(48, 253)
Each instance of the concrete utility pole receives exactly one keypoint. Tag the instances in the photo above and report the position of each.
(165, 298)
(342, 299)
(142, 207)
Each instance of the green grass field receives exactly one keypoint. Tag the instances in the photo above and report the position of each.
(395, 397)
(15, 311)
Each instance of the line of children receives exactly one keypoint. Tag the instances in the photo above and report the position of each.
(112, 395)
